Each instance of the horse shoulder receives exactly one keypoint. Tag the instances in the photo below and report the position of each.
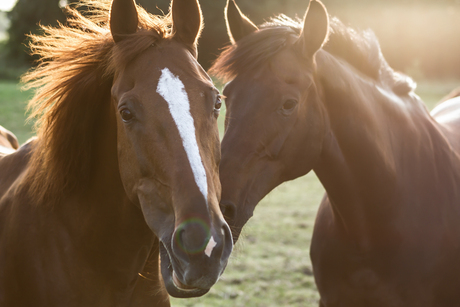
(348, 274)
(344, 273)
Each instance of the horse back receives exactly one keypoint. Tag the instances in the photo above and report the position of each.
(8, 142)
(447, 114)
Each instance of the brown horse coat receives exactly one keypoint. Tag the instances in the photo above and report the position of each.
(8, 139)
(124, 170)
(387, 232)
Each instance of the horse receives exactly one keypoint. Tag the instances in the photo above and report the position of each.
(8, 141)
(454, 93)
(318, 95)
(116, 201)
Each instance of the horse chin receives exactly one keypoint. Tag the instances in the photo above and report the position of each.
(173, 284)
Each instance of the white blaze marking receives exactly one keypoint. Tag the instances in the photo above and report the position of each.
(173, 91)
(210, 247)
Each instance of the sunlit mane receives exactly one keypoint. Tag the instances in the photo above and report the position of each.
(359, 49)
(73, 80)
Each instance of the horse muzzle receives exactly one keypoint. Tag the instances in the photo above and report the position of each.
(195, 257)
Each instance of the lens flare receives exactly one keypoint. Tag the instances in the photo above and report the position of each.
(186, 224)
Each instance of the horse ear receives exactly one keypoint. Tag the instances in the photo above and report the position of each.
(238, 25)
(187, 20)
(315, 29)
(123, 19)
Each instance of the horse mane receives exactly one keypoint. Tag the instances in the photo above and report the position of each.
(360, 49)
(72, 82)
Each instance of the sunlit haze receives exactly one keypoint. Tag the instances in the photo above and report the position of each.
(7, 5)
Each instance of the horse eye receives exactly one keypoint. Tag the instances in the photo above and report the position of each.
(126, 115)
(218, 103)
(289, 104)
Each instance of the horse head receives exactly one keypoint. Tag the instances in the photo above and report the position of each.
(275, 120)
(168, 145)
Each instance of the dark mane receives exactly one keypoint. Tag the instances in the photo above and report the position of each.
(360, 49)
(73, 81)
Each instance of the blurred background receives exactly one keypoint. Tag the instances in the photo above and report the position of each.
(418, 37)
(270, 265)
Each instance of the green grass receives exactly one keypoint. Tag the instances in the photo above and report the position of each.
(432, 91)
(13, 104)
(270, 265)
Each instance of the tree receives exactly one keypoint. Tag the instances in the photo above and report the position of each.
(24, 19)
(214, 35)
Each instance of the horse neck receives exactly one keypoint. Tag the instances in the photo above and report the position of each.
(376, 143)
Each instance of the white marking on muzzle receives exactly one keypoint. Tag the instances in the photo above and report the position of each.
(210, 247)
(173, 91)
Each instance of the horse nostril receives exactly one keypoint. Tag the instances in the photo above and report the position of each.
(192, 236)
(228, 210)
(228, 239)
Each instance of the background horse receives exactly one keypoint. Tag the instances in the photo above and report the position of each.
(124, 169)
(387, 232)
(454, 93)
(8, 141)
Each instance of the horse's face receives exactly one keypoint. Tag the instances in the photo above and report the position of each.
(274, 132)
(168, 150)
(274, 123)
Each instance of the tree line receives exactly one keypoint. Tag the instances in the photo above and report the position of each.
(27, 14)
(417, 36)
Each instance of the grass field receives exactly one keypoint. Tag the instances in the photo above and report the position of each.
(270, 265)
(13, 103)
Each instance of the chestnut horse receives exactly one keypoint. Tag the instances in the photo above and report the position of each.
(320, 96)
(124, 170)
(8, 141)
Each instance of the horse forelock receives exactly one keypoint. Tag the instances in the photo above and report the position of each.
(256, 49)
(360, 49)
(72, 83)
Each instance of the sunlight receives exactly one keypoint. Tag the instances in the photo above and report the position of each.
(7, 5)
